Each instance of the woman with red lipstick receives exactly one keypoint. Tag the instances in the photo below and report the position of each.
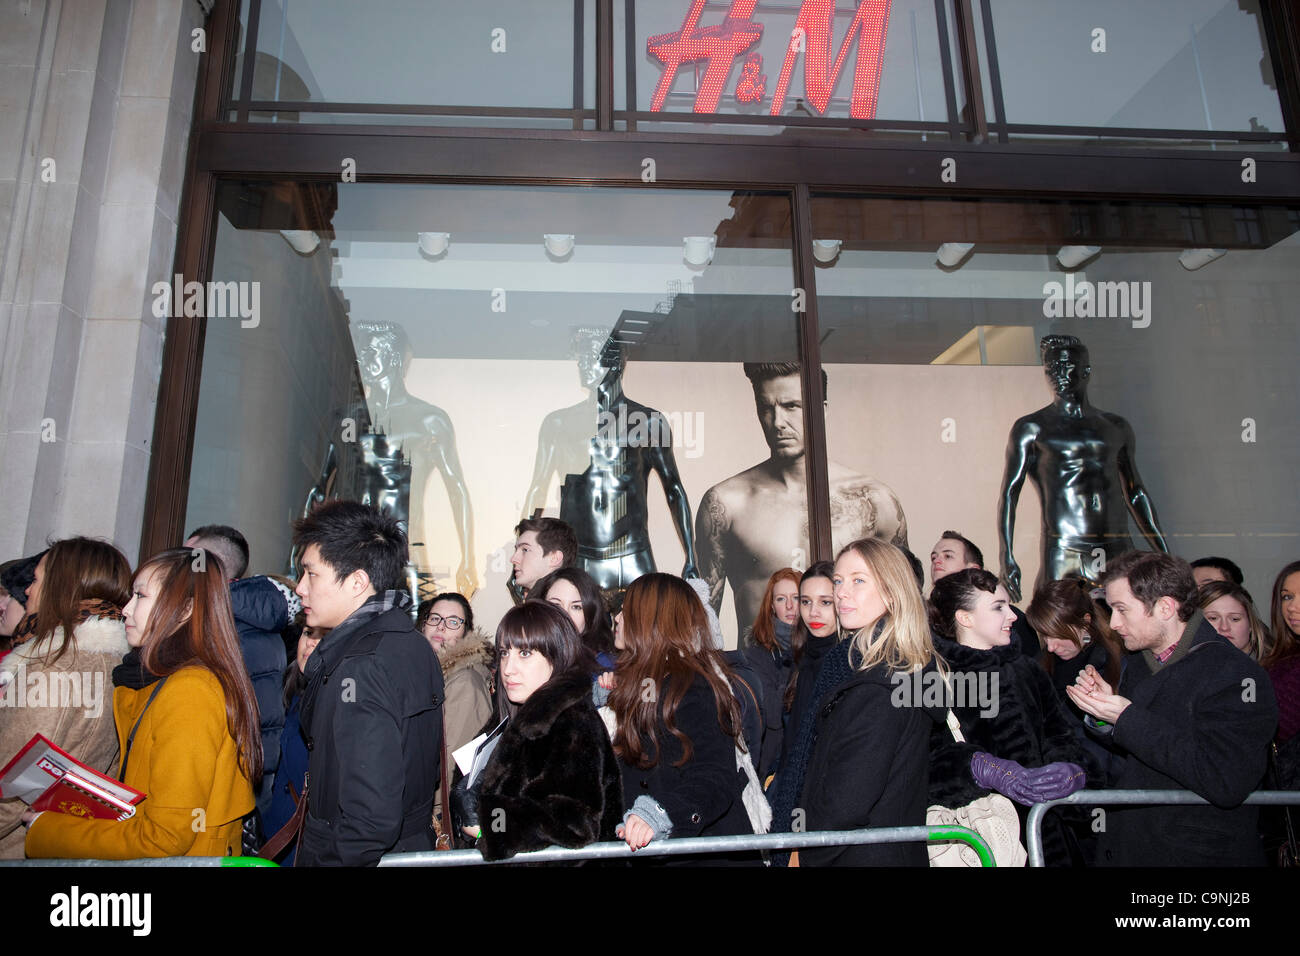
(1018, 739)
(770, 654)
(819, 631)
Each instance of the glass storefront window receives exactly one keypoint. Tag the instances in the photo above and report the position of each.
(469, 355)
(1112, 65)
(492, 62)
(1185, 317)
(761, 68)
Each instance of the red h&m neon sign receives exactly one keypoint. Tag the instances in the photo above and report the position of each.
(737, 33)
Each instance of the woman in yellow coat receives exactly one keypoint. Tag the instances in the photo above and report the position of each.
(187, 725)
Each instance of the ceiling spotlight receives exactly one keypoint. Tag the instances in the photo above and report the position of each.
(825, 250)
(434, 244)
(698, 250)
(558, 244)
(303, 241)
(1071, 257)
(954, 253)
(1192, 259)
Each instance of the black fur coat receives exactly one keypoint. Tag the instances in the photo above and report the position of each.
(1030, 727)
(553, 779)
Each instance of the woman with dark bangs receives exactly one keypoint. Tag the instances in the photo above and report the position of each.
(187, 725)
(770, 654)
(576, 593)
(679, 724)
(552, 779)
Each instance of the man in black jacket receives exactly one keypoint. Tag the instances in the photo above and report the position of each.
(372, 710)
(1191, 713)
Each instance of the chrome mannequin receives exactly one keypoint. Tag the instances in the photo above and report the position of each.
(604, 449)
(1082, 461)
(383, 451)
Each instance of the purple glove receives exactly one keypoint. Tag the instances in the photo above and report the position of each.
(1005, 776)
(1023, 785)
(1056, 780)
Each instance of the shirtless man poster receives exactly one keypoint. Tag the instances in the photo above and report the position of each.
(757, 521)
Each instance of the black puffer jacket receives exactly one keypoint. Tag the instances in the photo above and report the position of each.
(261, 613)
(553, 779)
(372, 720)
(1016, 716)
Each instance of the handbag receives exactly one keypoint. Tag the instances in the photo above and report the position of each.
(992, 816)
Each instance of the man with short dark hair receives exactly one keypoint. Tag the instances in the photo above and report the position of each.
(1205, 570)
(372, 710)
(953, 552)
(263, 608)
(230, 547)
(1191, 713)
(542, 545)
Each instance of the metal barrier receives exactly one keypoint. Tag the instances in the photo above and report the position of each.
(695, 845)
(1096, 798)
(225, 861)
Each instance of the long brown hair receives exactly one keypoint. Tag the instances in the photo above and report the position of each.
(191, 625)
(1058, 608)
(76, 570)
(666, 644)
(1285, 642)
(764, 631)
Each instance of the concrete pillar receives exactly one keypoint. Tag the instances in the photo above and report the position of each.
(95, 108)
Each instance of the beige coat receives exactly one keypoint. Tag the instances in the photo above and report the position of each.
(466, 676)
(69, 701)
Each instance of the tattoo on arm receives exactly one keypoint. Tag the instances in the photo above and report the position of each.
(710, 529)
(853, 508)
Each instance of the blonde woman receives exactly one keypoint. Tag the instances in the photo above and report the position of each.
(869, 758)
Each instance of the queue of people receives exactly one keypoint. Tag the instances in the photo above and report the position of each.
(856, 703)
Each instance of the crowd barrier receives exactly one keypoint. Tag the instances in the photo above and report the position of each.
(697, 845)
(226, 861)
(1101, 798)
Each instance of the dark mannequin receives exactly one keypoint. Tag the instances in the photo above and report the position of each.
(398, 438)
(605, 449)
(1082, 461)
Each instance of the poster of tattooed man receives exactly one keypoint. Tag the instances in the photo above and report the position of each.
(755, 522)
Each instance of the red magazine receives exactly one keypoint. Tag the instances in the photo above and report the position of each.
(48, 778)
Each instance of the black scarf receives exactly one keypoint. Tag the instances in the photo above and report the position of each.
(132, 673)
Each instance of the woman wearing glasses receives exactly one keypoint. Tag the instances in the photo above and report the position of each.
(466, 656)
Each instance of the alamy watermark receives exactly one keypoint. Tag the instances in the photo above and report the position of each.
(967, 690)
(1086, 299)
(212, 300)
(637, 429)
(74, 690)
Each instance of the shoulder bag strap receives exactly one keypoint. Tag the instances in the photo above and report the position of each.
(274, 846)
(130, 739)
